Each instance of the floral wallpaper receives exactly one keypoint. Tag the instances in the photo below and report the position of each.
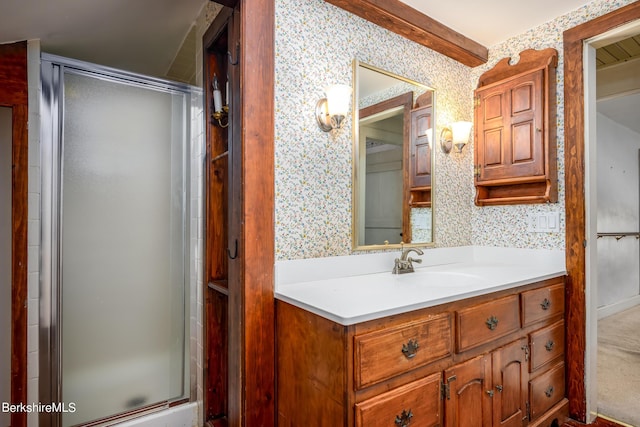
(507, 225)
(316, 43)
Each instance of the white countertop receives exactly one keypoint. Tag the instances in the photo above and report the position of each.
(359, 288)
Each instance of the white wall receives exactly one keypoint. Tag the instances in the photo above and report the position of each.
(5, 260)
(618, 211)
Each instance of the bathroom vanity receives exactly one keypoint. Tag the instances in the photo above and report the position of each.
(457, 343)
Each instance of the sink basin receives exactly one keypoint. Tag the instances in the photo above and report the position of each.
(451, 278)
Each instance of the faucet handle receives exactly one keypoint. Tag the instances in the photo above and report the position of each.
(418, 260)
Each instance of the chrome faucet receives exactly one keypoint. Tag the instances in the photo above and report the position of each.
(404, 264)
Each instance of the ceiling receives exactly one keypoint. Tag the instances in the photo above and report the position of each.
(621, 51)
(142, 36)
(489, 22)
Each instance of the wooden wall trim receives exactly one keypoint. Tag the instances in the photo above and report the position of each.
(14, 94)
(575, 207)
(404, 20)
(258, 252)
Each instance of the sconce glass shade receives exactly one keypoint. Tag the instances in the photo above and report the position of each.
(455, 135)
(338, 97)
(332, 110)
(461, 132)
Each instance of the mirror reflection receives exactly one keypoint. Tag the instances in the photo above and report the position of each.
(393, 165)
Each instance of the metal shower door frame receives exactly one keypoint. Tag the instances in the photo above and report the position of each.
(53, 69)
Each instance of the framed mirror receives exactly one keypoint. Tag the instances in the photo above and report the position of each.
(393, 160)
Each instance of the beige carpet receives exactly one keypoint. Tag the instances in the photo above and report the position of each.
(619, 366)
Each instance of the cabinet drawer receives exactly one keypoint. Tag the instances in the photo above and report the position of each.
(417, 403)
(543, 303)
(383, 354)
(546, 390)
(486, 322)
(547, 344)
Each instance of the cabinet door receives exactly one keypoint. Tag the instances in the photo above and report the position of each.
(509, 118)
(421, 135)
(468, 403)
(510, 384)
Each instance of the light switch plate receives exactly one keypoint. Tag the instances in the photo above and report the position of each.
(543, 222)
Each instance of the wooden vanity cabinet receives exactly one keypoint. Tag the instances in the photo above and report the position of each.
(515, 131)
(493, 360)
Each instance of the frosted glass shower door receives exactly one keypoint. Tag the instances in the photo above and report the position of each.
(122, 253)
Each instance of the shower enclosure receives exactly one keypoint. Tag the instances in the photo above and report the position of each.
(116, 262)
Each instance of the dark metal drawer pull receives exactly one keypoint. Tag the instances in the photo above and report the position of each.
(549, 345)
(492, 322)
(545, 304)
(549, 391)
(404, 419)
(410, 349)
(499, 388)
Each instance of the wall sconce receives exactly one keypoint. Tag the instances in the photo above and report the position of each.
(457, 135)
(220, 112)
(332, 110)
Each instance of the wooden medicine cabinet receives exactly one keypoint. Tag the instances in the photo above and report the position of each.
(515, 131)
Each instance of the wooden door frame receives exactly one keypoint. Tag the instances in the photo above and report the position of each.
(575, 207)
(14, 94)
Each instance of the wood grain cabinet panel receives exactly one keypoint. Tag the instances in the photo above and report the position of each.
(420, 147)
(546, 344)
(510, 384)
(468, 404)
(420, 156)
(546, 390)
(383, 354)
(485, 322)
(512, 138)
(541, 304)
(415, 404)
(515, 147)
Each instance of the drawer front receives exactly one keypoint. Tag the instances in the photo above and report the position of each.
(417, 404)
(383, 354)
(546, 390)
(547, 344)
(486, 322)
(541, 304)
